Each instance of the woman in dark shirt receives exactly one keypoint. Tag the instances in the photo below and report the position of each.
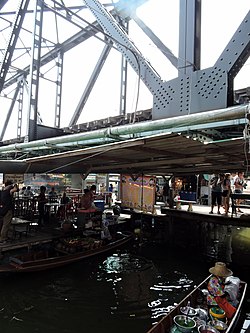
(41, 199)
(7, 208)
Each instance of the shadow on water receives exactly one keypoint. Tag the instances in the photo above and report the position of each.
(90, 296)
(127, 290)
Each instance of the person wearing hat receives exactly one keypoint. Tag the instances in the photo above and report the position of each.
(217, 296)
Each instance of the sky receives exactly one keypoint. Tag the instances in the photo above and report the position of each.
(220, 19)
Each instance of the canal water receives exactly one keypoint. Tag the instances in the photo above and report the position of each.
(125, 291)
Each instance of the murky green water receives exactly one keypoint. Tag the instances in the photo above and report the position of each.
(126, 291)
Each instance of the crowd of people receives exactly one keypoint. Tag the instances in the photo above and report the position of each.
(7, 204)
(222, 185)
(42, 197)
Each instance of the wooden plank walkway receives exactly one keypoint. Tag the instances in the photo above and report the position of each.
(28, 241)
(201, 213)
(50, 232)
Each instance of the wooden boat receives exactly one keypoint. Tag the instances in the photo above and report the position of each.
(71, 249)
(166, 324)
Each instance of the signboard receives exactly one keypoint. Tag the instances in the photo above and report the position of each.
(15, 178)
(138, 192)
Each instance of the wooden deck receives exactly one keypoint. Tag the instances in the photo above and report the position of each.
(36, 236)
(32, 238)
(201, 213)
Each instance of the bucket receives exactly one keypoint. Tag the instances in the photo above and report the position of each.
(217, 313)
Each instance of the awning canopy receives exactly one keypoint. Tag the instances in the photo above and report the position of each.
(159, 155)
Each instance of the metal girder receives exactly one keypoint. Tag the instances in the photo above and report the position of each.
(210, 88)
(58, 6)
(69, 44)
(2, 3)
(242, 96)
(25, 83)
(213, 87)
(90, 84)
(194, 90)
(59, 64)
(16, 27)
(162, 47)
(20, 109)
(141, 66)
(34, 71)
(237, 51)
(235, 55)
(58, 49)
(124, 74)
(162, 91)
(10, 111)
(123, 90)
(190, 36)
(86, 32)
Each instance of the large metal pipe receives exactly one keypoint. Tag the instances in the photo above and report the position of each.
(205, 117)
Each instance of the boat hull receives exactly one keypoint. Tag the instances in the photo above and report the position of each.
(167, 322)
(16, 266)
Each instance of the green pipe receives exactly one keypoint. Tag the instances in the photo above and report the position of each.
(205, 117)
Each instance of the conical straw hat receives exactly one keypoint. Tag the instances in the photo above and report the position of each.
(220, 269)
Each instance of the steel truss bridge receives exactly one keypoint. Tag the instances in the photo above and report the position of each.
(197, 109)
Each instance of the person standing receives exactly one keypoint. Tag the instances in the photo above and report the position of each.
(111, 187)
(22, 191)
(7, 205)
(52, 195)
(42, 200)
(65, 199)
(92, 191)
(86, 199)
(28, 192)
(216, 184)
(165, 193)
(226, 191)
(239, 185)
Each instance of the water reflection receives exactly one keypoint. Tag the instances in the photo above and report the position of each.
(217, 243)
(141, 290)
(168, 294)
(127, 290)
(226, 243)
(131, 278)
(241, 248)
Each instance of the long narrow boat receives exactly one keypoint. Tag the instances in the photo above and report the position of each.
(62, 252)
(167, 325)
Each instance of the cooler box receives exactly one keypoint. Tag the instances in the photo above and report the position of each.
(188, 196)
(100, 204)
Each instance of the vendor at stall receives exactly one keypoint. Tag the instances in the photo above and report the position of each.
(217, 296)
(87, 200)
